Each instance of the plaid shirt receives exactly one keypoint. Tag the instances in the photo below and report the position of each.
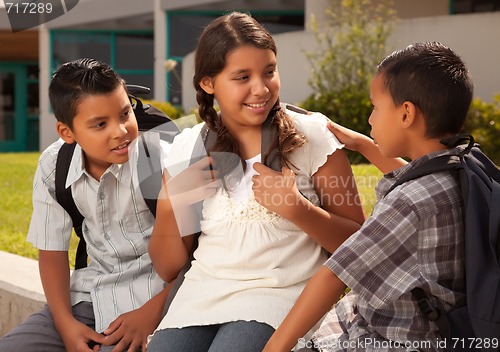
(414, 238)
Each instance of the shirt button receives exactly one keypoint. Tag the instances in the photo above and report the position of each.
(101, 195)
(106, 236)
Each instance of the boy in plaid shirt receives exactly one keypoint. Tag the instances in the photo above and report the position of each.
(415, 235)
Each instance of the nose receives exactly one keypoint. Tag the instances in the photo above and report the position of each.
(120, 130)
(259, 88)
(370, 119)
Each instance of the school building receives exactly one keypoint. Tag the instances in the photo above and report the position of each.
(151, 43)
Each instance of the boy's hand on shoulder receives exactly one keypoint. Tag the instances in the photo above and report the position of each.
(277, 191)
(351, 139)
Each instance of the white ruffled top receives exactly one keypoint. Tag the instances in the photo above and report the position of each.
(251, 264)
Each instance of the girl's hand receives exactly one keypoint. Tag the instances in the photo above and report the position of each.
(277, 191)
(196, 183)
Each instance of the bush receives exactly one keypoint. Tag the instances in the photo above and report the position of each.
(350, 108)
(483, 122)
(166, 107)
(351, 43)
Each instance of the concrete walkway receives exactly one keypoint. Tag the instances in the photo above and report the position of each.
(21, 292)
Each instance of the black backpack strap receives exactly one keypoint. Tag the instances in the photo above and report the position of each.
(435, 314)
(65, 198)
(149, 171)
(437, 164)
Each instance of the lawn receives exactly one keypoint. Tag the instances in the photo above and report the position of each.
(16, 176)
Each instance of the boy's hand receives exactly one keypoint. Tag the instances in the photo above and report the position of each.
(77, 337)
(277, 191)
(350, 138)
(129, 332)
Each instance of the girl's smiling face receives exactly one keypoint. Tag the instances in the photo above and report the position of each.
(247, 88)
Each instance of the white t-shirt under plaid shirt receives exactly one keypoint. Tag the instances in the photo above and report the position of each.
(414, 238)
(117, 228)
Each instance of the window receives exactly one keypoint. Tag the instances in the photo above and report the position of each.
(469, 6)
(129, 53)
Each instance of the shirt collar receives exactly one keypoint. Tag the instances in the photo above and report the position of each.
(393, 176)
(121, 172)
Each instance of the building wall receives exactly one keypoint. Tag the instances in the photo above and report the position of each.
(473, 36)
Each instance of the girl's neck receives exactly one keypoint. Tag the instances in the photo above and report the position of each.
(249, 141)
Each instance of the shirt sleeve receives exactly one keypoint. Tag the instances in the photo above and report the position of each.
(180, 154)
(50, 226)
(320, 141)
(379, 262)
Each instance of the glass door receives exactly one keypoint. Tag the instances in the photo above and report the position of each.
(12, 109)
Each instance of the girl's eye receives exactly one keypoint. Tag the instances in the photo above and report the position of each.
(241, 78)
(100, 124)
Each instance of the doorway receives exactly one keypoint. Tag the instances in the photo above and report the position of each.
(19, 110)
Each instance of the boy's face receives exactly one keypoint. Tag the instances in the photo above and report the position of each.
(104, 127)
(385, 120)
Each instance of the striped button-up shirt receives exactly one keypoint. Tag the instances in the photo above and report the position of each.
(414, 238)
(117, 227)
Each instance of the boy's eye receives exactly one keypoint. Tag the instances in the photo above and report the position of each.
(100, 124)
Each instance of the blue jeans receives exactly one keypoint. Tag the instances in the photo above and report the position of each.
(241, 336)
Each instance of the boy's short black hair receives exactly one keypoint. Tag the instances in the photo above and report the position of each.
(76, 80)
(435, 79)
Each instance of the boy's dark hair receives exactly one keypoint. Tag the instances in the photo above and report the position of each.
(435, 79)
(76, 80)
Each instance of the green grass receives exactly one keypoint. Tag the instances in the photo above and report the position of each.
(16, 178)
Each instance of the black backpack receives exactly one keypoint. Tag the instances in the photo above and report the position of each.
(148, 164)
(474, 324)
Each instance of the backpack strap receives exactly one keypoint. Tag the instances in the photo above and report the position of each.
(435, 314)
(65, 198)
(149, 171)
(437, 164)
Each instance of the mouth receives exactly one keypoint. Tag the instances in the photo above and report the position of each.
(256, 105)
(122, 146)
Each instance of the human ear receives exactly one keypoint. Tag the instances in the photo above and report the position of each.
(65, 132)
(207, 85)
(408, 111)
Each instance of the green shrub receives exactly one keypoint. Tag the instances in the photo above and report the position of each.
(351, 43)
(169, 109)
(483, 122)
(350, 108)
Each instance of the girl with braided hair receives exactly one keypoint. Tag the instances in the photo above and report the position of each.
(266, 231)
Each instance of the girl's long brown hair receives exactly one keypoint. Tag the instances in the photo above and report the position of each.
(221, 36)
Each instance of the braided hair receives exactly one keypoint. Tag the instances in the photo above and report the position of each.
(223, 35)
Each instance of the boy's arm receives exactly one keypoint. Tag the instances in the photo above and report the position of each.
(54, 273)
(320, 294)
(133, 328)
(358, 142)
